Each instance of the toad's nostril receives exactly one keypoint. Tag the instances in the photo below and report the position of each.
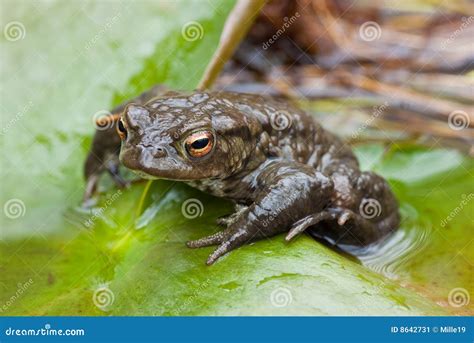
(159, 152)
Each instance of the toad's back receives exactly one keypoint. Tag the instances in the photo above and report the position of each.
(286, 131)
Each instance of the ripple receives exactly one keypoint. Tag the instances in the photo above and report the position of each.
(391, 256)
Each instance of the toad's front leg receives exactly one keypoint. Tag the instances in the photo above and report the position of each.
(286, 193)
(104, 151)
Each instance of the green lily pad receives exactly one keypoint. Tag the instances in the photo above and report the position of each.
(127, 255)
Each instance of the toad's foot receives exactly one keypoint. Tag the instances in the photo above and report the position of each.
(228, 239)
(342, 216)
(104, 152)
(95, 166)
(228, 220)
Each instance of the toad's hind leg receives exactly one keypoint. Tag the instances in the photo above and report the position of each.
(341, 216)
(301, 225)
(371, 214)
(349, 228)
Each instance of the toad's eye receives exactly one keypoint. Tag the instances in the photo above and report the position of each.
(121, 130)
(199, 144)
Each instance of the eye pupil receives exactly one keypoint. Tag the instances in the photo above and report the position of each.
(121, 129)
(200, 143)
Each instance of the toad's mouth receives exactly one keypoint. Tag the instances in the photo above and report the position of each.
(144, 175)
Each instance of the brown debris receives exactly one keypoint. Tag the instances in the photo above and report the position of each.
(415, 57)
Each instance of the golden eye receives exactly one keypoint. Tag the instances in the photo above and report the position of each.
(199, 144)
(121, 130)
